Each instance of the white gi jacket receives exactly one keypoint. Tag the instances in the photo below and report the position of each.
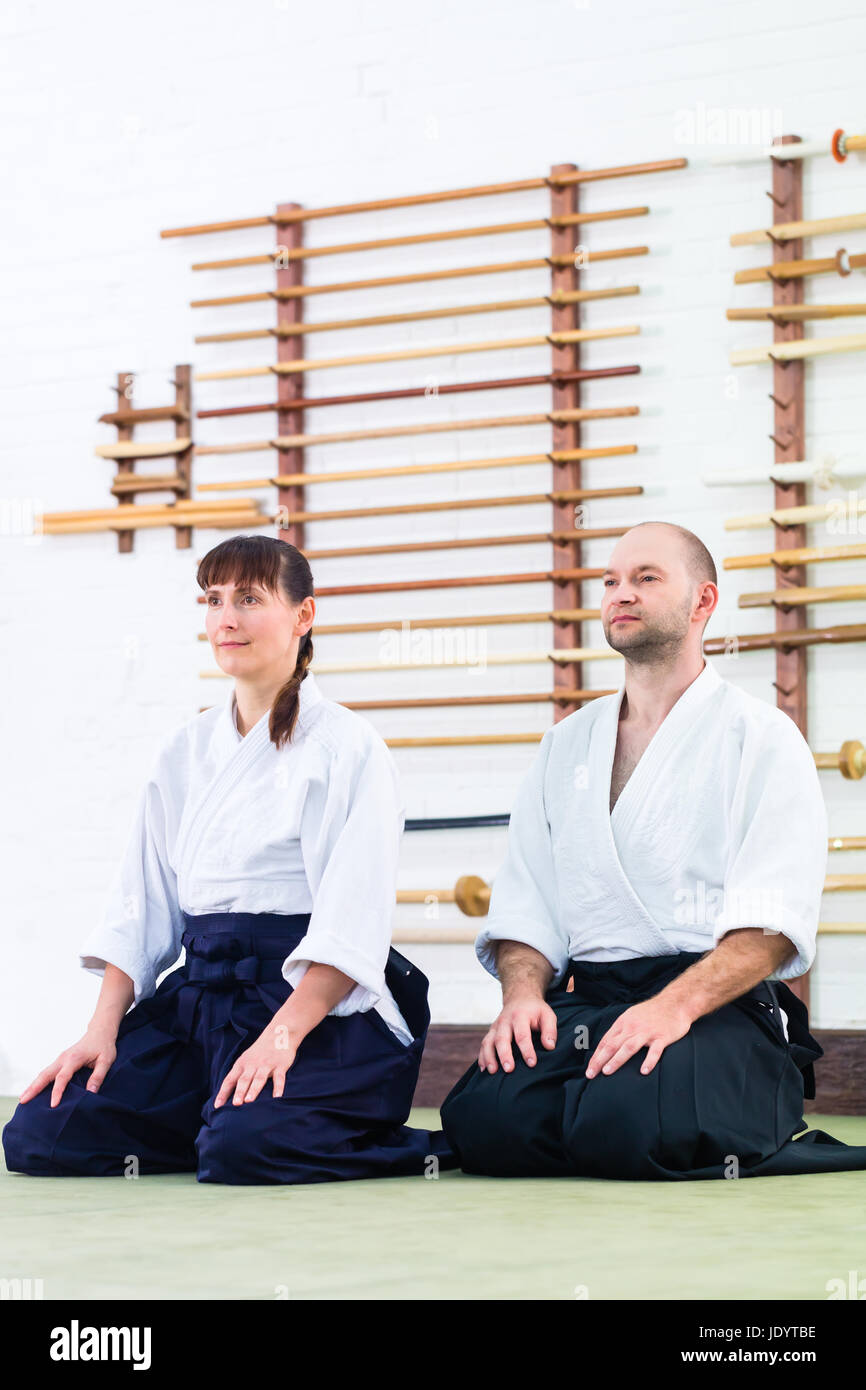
(229, 824)
(721, 824)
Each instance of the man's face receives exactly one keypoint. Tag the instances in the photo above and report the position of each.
(648, 598)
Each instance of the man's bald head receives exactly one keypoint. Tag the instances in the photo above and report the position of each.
(697, 559)
(659, 590)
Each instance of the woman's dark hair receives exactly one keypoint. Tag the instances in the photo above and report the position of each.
(275, 565)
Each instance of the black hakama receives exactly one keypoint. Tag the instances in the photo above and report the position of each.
(344, 1103)
(725, 1100)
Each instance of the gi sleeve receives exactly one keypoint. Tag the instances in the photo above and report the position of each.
(777, 860)
(351, 825)
(524, 903)
(142, 924)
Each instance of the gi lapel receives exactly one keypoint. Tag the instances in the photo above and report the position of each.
(235, 755)
(638, 786)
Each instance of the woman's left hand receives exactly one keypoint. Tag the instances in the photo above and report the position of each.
(272, 1053)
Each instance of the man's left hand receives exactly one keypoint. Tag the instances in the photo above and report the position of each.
(653, 1024)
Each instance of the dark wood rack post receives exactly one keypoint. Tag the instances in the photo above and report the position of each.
(182, 430)
(290, 386)
(789, 444)
(566, 396)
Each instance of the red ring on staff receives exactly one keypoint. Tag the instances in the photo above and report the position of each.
(836, 149)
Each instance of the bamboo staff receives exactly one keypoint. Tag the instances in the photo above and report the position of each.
(844, 883)
(416, 278)
(847, 842)
(456, 311)
(803, 555)
(826, 470)
(802, 347)
(798, 597)
(796, 313)
(417, 469)
(415, 392)
(850, 760)
(302, 364)
(285, 255)
(792, 231)
(425, 199)
(797, 516)
(780, 641)
(304, 441)
(840, 264)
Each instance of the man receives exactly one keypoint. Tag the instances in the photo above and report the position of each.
(666, 857)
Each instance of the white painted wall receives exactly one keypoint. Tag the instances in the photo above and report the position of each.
(115, 124)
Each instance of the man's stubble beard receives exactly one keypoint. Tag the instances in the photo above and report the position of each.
(656, 641)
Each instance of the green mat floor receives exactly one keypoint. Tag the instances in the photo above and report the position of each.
(457, 1236)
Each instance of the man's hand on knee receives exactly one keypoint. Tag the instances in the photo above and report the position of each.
(653, 1024)
(522, 1014)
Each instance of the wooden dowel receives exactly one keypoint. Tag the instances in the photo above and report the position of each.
(129, 483)
(230, 504)
(795, 313)
(144, 416)
(469, 543)
(289, 441)
(844, 883)
(349, 248)
(807, 637)
(421, 199)
(802, 347)
(798, 597)
(545, 697)
(850, 760)
(563, 655)
(784, 559)
(416, 392)
(139, 449)
(792, 231)
(847, 509)
(824, 470)
(462, 740)
(459, 504)
(470, 581)
(416, 469)
(561, 616)
(302, 364)
(847, 842)
(212, 520)
(840, 928)
(378, 320)
(417, 277)
(796, 270)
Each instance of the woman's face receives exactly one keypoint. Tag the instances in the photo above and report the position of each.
(253, 630)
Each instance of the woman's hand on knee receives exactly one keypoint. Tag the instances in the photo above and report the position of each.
(519, 1019)
(95, 1049)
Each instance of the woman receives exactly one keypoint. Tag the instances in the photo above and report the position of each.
(286, 1048)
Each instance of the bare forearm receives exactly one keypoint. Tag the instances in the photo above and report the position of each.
(742, 959)
(321, 987)
(115, 996)
(521, 969)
